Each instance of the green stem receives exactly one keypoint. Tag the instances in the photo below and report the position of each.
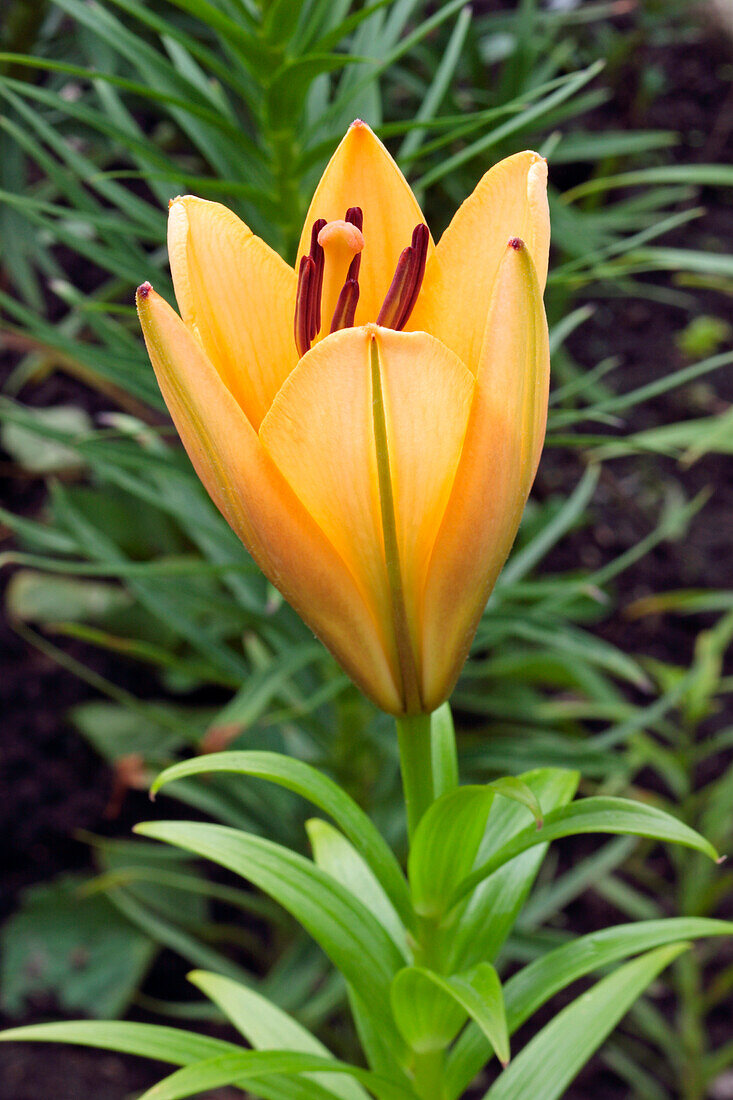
(427, 1074)
(416, 762)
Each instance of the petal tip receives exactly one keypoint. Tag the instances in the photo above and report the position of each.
(516, 243)
(143, 291)
(537, 175)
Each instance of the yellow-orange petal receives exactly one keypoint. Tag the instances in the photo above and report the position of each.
(427, 394)
(495, 473)
(320, 433)
(510, 201)
(238, 296)
(252, 495)
(362, 173)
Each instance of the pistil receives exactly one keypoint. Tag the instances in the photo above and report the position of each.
(342, 242)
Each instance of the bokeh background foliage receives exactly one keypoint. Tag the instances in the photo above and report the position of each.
(124, 573)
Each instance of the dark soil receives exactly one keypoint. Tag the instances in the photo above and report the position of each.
(54, 785)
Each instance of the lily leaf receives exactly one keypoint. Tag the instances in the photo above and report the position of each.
(350, 935)
(430, 1009)
(247, 1067)
(591, 815)
(552, 1059)
(267, 1027)
(321, 792)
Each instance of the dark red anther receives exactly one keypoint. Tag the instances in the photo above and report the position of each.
(345, 311)
(308, 294)
(400, 299)
(319, 259)
(420, 241)
(391, 309)
(303, 304)
(355, 215)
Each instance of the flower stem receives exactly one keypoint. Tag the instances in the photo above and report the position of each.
(428, 1072)
(416, 762)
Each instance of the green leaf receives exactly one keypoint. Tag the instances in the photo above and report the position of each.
(428, 1015)
(489, 916)
(592, 815)
(77, 949)
(552, 1059)
(267, 1027)
(516, 790)
(36, 597)
(445, 846)
(334, 854)
(248, 1067)
(442, 80)
(36, 453)
(348, 933)
(535, 984)
(445, 760)
(430, 1008)
(164, 1044)
(322, 792)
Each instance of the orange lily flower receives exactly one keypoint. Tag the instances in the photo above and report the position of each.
(370, 422)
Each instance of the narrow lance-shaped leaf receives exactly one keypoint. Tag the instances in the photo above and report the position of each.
(552, 1059)
(536, 983)
(247, 1068)
(267, 1027)
(321, 792)
(352, 938)
(430, 1008)
(336, 855)
(487, 919)
(591, 815)
(165, 1044)
(445, 759)
(445, 846)
(449, 837)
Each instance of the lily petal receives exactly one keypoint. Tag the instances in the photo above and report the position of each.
(320, 433)
(362, 173)
(252, 495)
(510, 201)
(238, 296)
(428, 394)
(495, 473)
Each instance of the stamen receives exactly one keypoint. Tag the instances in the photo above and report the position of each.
(343, 315)
(355, 215)
(420, 241)
(319, 258)
(394, 299)
(303, 304)
(308, 293)
(400, 299)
